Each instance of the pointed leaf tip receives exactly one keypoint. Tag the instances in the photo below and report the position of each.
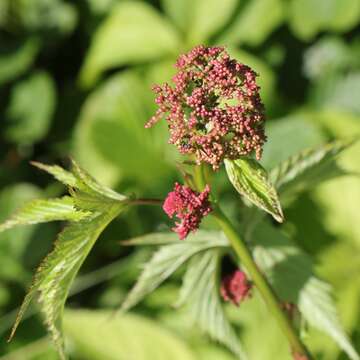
(251, 180)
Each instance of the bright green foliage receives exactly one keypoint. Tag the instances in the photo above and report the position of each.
(133, 33)
(200, 291)
(166, 261)
(250, 180)
(127, 106)
(45, 210)
(307, 17)
(290, 272)
(28, 123)
(266, 14)
(122, 337)
(308, 168)
(56, 273)
(64, 176)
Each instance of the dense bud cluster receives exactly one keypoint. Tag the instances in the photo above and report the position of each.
(214, 109)
(235, 287)
(189, 206)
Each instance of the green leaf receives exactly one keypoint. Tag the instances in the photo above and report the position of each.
(167, 238)
(45, 210)
(56, 273)
(28, 123)
(165, 262)
(60, 174)
(112, 122)
(17, 58)
(97, 335)
(134, 32)
(201, 290)
(289, 135)
(206, 17)
(308, 168)
(290, 272)
(307, 18)
(13, 244)
(266, 14)
(250, 180)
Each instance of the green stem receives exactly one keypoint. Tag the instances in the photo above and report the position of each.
(246, 259)
(261, 283)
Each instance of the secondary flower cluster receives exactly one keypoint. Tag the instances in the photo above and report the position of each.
(189, 206)
(235, 287)
(214, 110)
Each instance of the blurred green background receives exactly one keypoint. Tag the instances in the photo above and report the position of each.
(75, 78)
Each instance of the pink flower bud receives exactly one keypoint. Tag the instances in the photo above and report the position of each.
(189, 207)
(235, 287)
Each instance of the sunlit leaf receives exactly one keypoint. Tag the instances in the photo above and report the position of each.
(308, 168)
(62, 175)
(28, 123)
(266, 14)
(307, 17)
(290, 272)
(201, 290)
(13, 244)
(251, 180)
(45, 210)
(134, 32)
(165, 262)
(110, 137)
(16, 58)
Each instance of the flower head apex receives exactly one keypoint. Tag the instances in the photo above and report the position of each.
(189, 207)
(213, 109)
(235, 287)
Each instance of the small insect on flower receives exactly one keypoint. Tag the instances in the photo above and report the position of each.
(214, 110)
(235, 287)
(189, 206)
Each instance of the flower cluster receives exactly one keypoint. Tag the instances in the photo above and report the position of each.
(235, 287)
(214, 110)
(189, 206)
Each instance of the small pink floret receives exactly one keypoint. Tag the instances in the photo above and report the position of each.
(189, 206)
(235, 287)
(213, 108)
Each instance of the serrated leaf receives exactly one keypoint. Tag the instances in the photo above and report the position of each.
(206, 17)
(290, 272)
(201, 290)
(64, 176)
(266, 14)
(308, 168)
(45, 210)
(15, 60)
(134, 32)
(89, 185)
(164, 263)
(58, 270)
(251, 180)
